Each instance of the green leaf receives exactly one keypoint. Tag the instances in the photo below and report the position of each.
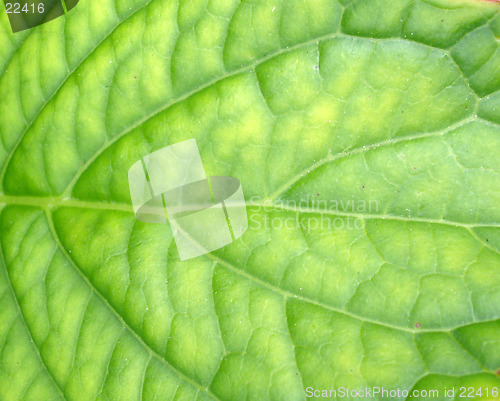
(366, 136)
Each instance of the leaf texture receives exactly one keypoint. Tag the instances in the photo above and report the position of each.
(377, 119)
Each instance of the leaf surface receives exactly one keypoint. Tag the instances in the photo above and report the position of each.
(366, 136)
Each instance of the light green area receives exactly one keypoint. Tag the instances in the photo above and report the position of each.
(365, 135)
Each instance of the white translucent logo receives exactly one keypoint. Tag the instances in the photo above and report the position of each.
(205, 214)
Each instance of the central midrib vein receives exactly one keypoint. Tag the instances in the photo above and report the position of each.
(67, 201)
(55, 203)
